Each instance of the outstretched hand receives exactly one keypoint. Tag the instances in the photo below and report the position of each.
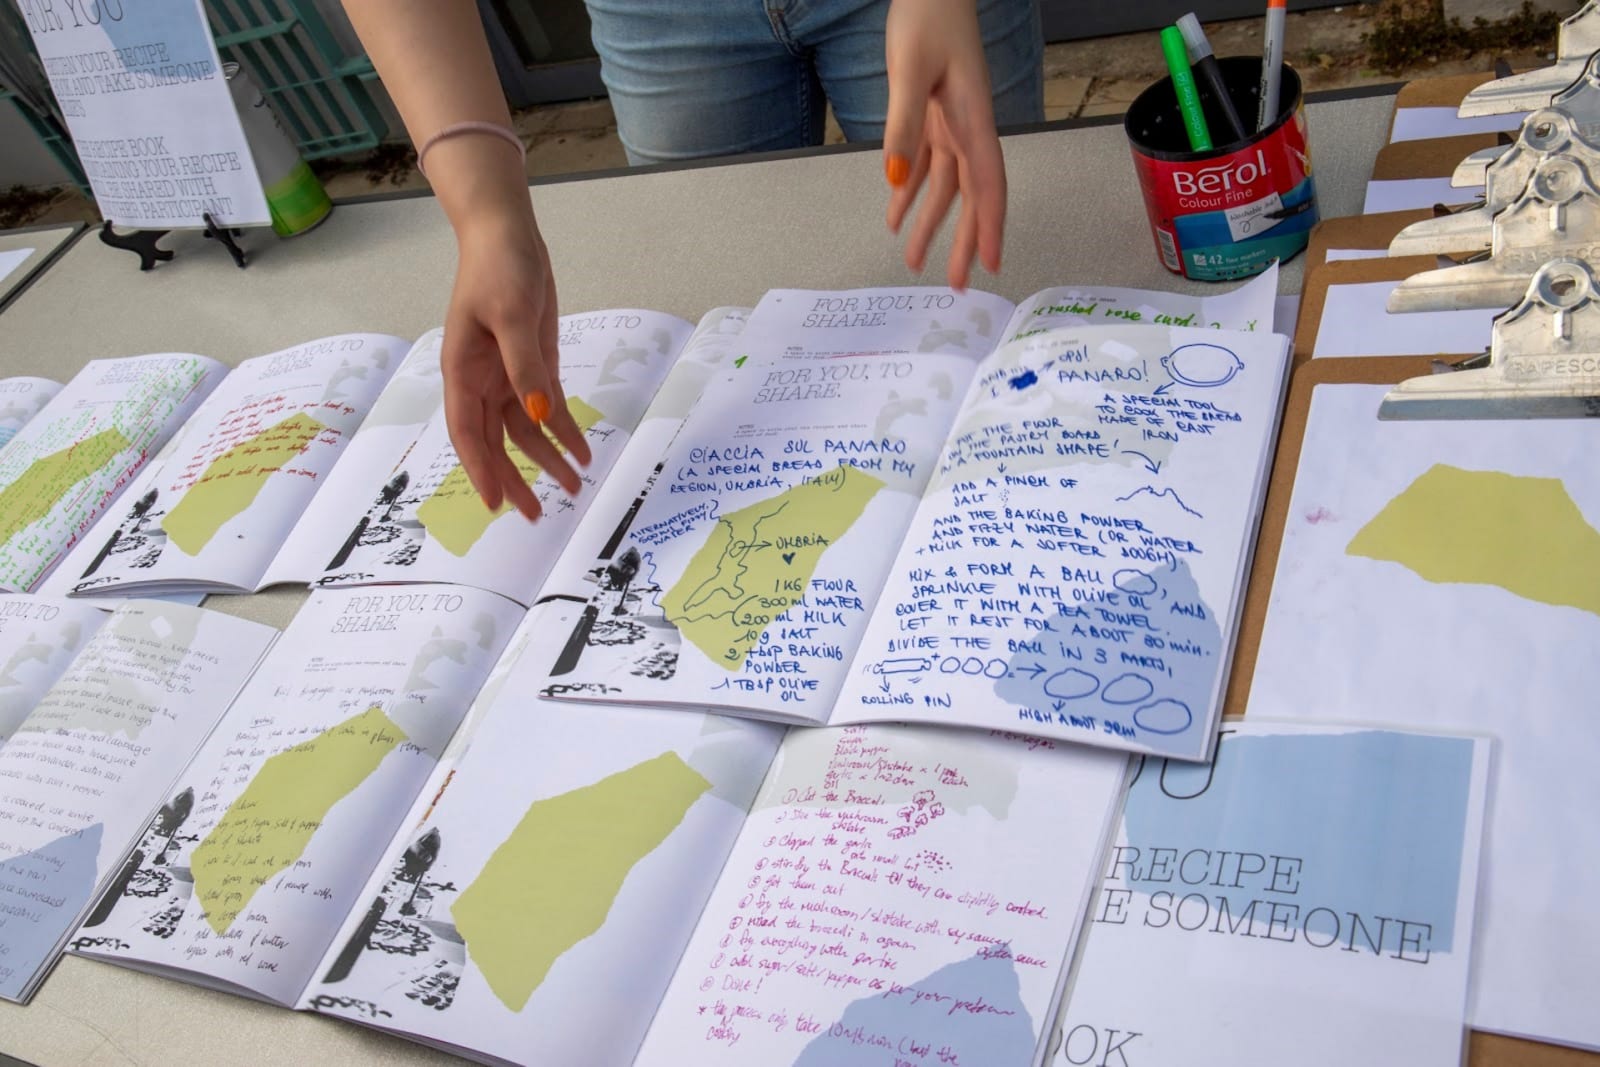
(501, 339)
(940, 133)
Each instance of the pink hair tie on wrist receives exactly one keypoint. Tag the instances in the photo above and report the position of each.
(505, 133)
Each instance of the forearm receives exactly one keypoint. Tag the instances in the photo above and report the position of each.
(434, 60)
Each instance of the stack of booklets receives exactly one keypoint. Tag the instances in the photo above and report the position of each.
(549, 811)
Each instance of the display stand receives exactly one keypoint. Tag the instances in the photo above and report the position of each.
(143, 243)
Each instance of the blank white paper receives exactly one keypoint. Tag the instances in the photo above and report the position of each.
(1356, 322)
(1407, 194)
(1425, 123)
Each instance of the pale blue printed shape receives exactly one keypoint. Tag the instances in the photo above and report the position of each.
(1377, 819)
(975, 1010)
(1142, 664)
(179, 25)
(42, 893)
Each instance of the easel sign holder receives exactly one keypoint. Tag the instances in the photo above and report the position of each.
(295, 198)
(167, 134)
(144, 243)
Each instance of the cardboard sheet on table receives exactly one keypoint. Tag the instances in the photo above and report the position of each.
(1425, 109)
(1483, 1050)
(1360, 314)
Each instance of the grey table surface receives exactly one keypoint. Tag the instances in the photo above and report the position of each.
(681, 241)
(41, 242)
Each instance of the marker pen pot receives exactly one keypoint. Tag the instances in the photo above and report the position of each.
(1227, 212)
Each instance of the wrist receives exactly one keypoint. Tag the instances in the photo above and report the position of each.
(480, 182)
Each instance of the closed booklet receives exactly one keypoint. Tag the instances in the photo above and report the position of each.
(1307, 899)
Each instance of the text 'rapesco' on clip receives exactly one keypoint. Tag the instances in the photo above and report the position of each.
(1557, 215)
(1544, 359)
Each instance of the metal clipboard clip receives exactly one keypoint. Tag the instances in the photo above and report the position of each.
(1545, 134)
(1557, 215)
(1578, 40)
(1543, 359)
(1580, 100)
(1472, 170)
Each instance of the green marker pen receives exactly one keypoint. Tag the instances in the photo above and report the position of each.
(1194, 119)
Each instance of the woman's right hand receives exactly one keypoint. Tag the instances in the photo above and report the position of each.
(501, 330)
(501, 344)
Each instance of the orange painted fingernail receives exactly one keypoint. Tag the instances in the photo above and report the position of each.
(537, 405)
(897, 169)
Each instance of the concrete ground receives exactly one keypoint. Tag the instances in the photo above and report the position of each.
(1083, 79)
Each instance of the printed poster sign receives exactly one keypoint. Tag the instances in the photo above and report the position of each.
(144, 97)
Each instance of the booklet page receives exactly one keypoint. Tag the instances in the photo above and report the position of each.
(425, 522)
(1074, 568)
(87, 767)
(1247, 309)
(69, 464)
(20, 400)
(409, 400)
(274, 826)
(243, 468)
(897, 894)
(760, 546)
(1310, 872)
(536, 906)
(39, 636)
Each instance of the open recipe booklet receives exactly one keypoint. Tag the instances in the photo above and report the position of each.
(598, 883)
(361, 678)
(882, 516)
(330, 463)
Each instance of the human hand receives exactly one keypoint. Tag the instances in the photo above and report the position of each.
(940, 132)
(501, 345)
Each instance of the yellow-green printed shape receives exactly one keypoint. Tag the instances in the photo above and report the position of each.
(1522, 534)
(49, 478)
(454, 514)
(267, 828)
(552, 882)
(756, 562)
(233, 480)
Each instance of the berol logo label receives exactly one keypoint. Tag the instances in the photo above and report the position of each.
(1208, 181)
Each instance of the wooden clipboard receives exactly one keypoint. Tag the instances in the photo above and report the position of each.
(1362, 231)
(1320, 277)
(1436, 157)
(1444, 91)
(1483, 1050)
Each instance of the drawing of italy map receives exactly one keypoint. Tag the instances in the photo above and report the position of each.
(756, 562)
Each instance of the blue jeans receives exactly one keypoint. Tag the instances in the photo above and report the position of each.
(695, 78)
